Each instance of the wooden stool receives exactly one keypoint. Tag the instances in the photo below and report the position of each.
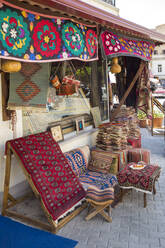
(100, 200)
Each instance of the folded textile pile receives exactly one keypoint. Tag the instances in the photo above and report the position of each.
(112, 137)
(128, 117)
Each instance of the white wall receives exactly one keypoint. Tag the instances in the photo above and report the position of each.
(71, 141)
(103, 5)
(159, 58)
(155, 63)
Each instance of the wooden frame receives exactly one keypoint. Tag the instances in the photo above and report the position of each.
(96, 116)
(79, 124)
(57, 133)
(9, 201)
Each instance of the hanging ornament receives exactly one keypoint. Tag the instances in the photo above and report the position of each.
(55, 82)
(115, 68)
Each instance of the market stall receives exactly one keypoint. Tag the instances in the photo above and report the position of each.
(54, 68)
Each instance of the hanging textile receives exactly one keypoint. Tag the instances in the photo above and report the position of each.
(144, 93)
(30, 36)
(29, 86)
(114, 45)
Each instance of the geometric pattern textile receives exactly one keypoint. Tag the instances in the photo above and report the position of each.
(77, 161)
(141, 179)
(50, 172)
(28, 70)
(28, 88)
(31, 36)
(114, 45)
(100, 161)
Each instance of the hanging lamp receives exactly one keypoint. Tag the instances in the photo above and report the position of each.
(115, 68)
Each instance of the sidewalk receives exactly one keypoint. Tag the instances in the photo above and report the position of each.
(133, 226)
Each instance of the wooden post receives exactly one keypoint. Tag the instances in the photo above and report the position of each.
(152, 123)
(94, 84)
(7, 180)
(138, 73)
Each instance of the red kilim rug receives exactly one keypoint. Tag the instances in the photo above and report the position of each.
(50, 172)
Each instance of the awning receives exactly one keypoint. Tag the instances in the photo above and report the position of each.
(29, 36)
(80, 9)
(114, 45)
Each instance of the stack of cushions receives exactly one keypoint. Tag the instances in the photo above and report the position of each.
(112, 137)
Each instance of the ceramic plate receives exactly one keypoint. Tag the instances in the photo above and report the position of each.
(137, 166)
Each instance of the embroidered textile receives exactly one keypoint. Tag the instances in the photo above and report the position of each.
(114, 45)
(29, 36)
(50, 172)
(142, 179)
(28, 87)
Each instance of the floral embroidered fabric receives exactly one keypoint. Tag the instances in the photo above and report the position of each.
(114, 45)
(29, 36)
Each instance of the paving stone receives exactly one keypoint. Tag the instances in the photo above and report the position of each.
(118, 244)
(133, 226)
(162, 242)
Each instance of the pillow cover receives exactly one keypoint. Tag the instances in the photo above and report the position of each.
(78, 159)
(100, 161)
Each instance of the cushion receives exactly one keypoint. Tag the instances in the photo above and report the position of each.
(78, 159)
(102, 161)
(134, 142)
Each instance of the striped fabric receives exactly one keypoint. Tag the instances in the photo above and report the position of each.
(100, 196)
(137, 154)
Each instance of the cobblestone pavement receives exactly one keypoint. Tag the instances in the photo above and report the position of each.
(133, 226)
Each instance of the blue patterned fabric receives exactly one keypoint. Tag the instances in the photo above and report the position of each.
(98, 179)
(77, 161)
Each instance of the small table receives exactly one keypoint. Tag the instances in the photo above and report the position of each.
(141, 179)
